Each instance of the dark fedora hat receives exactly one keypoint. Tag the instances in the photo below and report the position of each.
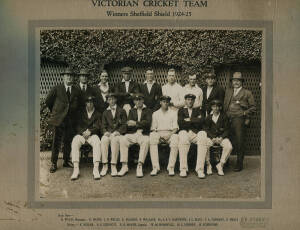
(190, 95)
(67, 71)
(237, 76)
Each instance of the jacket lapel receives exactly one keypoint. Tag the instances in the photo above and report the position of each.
(64, 92)
(186, 112)
(212, 93)
(230, 94)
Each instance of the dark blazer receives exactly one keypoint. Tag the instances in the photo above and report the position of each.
(219, 129)
(83, 94)
(217, 93)
(60, 106)
(196, 123)
(246, 101)
(100, 104)
(151, 99)
(125, 97)
(93, 123)
(144, 123)
(110, 124)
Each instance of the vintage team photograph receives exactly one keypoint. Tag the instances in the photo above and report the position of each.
(142, 114)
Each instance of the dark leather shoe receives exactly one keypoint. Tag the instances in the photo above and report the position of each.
(53, 168)
(238, 168)
(68, 164)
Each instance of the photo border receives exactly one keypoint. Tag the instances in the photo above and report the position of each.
(267, 71)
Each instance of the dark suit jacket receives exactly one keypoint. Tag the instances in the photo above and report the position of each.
(123, 96)
(152, 98)
(83, 94)
(246, 101)
(144, 123)
(93, 123)
(110, 124)
(100, 104)
(196, 123)
(59, 105)
(217, 93)
(219, 129)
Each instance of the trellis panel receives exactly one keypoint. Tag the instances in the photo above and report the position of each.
(50, 77)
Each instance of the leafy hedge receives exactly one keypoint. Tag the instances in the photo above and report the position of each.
(194, 51)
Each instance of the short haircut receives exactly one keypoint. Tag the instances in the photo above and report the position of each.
(172, 71)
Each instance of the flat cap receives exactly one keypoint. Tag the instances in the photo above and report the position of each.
(165, 98)
(138, 96)
(111, 95)
(190, 95)
(89, 98)
(126, 69)
(216, 102)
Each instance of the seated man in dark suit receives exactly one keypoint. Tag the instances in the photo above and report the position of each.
(101, 91)
(126, 89)
(63, 103)
(151, 91)
(216, 133)
(211, 91)
(83, 87)
(138, 129)
(113, 125)
(190, 121)
(88, 131)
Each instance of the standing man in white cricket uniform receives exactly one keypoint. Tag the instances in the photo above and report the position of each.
(138, 129)
(174, 91)
(193, 88)
(164, 128)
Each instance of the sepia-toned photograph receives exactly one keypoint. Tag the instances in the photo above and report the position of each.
(147, 114)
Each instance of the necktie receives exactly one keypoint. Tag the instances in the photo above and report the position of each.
(84, 88)
(68, 93)
(234, 92)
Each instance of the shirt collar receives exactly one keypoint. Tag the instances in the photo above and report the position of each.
(190, 87)
(123, 80)
(212, 115)
(109, 108)
(238, 89)
(146, 82)
(186, 107)
(90, 111)
(67, 86)
(100, 84)
(82, 84)
(175, 84)
(144, 106)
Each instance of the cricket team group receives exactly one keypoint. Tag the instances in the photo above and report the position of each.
(114, 118)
